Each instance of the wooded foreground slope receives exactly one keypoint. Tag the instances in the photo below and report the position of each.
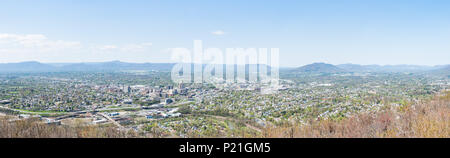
(428, 119)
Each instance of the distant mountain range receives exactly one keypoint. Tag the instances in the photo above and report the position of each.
(33, 66)
(319, 68)
(445, 70)
(67, 67)
(388, 68)
(343, 68)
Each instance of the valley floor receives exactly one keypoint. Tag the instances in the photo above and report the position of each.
(425, 119)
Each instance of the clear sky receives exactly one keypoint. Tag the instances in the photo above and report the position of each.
(306, 31)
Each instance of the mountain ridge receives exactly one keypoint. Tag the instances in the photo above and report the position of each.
(34, 66)
(319, 68)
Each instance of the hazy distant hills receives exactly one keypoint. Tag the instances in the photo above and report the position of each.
(98, 67)
(33, 66)
(319, 68)
(354, 67)
(444, 70)
(116, 66)
(387, 68)
(346, 68)
(25, 67)
(67, 67)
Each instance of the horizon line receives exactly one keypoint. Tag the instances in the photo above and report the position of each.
(220, 64)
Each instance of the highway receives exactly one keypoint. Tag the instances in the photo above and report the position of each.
(111, 120)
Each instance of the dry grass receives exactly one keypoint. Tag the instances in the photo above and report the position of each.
(422, 120)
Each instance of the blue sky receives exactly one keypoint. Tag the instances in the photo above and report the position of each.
(333, 31)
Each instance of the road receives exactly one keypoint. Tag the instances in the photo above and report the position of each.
(178, 104)
(121, 108)
(32, 112)
(111, 120)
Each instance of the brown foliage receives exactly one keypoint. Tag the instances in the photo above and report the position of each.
(33, 128)
(422, 120)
